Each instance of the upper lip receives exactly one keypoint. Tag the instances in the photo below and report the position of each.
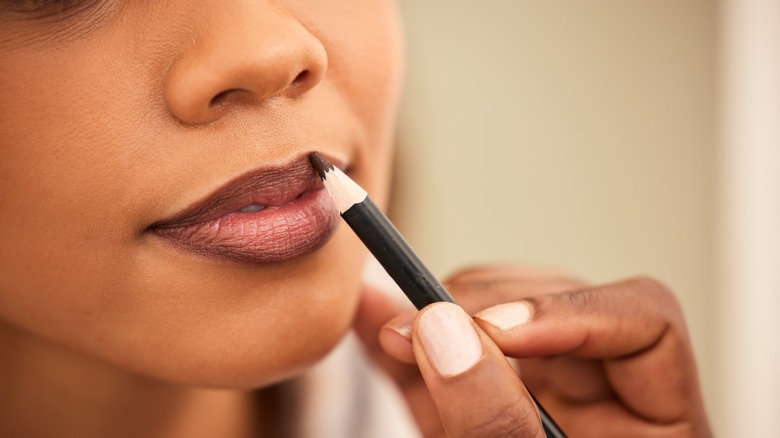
(268, 187)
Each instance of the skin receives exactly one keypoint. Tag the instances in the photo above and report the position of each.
(118, 114)
(612, 360)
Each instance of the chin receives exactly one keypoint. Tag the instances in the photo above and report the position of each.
(247, 363)
(243, 327)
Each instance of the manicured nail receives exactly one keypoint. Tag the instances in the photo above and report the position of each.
(507, 316)
(451, 343)
(403, 326)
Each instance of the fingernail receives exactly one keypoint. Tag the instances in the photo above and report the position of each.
(403, 326)
(451, 343)
(507, 316)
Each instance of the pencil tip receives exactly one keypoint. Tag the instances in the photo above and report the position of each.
(320, 163)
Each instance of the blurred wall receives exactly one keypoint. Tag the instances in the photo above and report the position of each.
(748, 266)
(586, 131)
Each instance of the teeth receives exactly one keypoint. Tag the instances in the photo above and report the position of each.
(251, 208)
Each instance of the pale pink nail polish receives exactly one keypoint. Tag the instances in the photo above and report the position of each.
(507, 316)
(449, 338)
(403, 327)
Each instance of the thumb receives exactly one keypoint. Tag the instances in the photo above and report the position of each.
(476, 390)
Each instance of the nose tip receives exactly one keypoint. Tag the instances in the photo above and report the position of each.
(275, 57)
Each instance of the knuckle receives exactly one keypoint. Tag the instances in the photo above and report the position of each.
(650, 285)
(655, 291)
(641, 287)
(582, 300)
(657, 302)
(643, 294)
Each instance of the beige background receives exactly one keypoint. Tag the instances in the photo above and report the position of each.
(587, 130)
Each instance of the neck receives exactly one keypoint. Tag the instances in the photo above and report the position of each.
(50, 391)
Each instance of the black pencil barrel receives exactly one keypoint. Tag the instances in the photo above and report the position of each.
(394, 254)
(551, 429)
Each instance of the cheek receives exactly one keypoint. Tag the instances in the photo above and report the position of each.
(63, 209)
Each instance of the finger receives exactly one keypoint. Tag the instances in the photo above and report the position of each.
(572, 379)
(609, 419)
(475, 289)
(636, 326)
(476, 391)
(609, 321)
(396, 337)
(478, 288)
(476, 274)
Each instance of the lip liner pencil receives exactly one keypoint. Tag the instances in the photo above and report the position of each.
(391, 250)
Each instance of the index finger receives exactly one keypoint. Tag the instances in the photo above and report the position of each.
(634, 327)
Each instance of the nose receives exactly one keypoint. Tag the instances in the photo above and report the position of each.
(245, 54)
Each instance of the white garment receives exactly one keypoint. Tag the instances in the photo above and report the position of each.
(346, 396)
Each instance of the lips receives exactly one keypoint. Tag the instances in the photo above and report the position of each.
(266, 216)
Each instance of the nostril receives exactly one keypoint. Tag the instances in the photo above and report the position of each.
(222, 97)
(235, 94)
(301, 78)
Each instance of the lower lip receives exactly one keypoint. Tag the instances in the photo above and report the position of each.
(272, 235)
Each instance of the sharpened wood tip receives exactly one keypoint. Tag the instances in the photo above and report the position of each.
(321, 164)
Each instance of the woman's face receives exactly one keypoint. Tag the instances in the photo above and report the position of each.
(156, 207)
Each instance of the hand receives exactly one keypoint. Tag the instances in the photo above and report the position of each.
(604, 361)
